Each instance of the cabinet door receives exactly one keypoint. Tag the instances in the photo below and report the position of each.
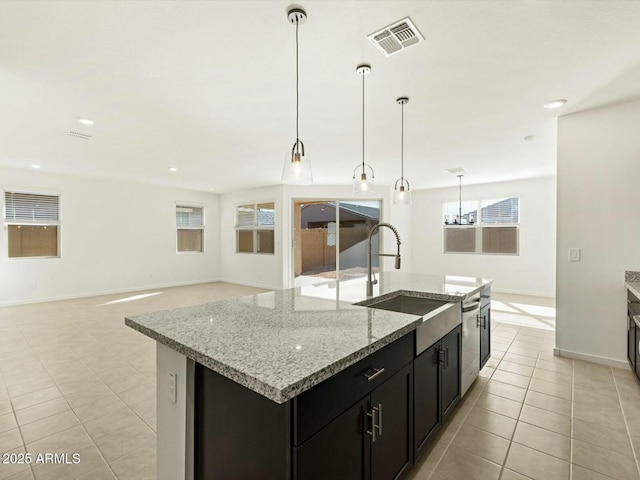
(392, 449)
(426, 400)
(636, 344)
(450, 385)
(341, 450)
(485, 335)
(631, 340)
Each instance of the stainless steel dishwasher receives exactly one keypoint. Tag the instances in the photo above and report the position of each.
(470, 341)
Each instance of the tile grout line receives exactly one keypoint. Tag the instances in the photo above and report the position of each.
(626, 424)
(461, 424)
(13, 410)
(454, 435)
(511, 442)
(81, 424)
(506, 455)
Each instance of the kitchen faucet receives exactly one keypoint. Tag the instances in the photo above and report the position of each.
(372, 281)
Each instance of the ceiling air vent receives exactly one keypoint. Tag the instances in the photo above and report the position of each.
(396, 37)
(78, 135)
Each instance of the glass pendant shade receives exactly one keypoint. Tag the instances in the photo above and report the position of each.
(363, 176)
(297, 169)
(401, 190)
(364, 181)
(402, 193)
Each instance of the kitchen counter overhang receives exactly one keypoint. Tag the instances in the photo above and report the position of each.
(280, 344)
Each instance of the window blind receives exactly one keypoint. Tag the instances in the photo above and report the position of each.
(502, 210)
(245, 216)
(266, 214)
(189, 217)
(31, 208)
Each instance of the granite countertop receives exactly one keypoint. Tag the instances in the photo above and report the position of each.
(632, 282)
(282, 343)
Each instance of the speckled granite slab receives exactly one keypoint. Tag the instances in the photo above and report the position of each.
(281, 343)
(632, 281)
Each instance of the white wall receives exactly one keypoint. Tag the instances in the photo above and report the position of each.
(532, 272)
(258, 270)
(274, 271)
(114, 237)
(598, 200)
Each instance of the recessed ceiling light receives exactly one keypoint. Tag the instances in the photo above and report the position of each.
(35, 166)
(555, 103)
(529, 138)
(85, 121)
(173, 169)
(455, 170)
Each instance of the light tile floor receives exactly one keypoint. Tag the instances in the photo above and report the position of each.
(75, 379)
(531, 415)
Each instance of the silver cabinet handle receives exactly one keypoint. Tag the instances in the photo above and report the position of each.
(441, 355)
(446, 356)
(477, 321)
(484, 322)
(376, 373)
(372, 432)
(376, 422)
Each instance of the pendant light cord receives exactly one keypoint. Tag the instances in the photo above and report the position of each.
(402, 146)
(297, 91)
(460, 201)
(363, 123)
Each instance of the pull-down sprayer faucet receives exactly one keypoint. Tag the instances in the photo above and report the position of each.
(372, 281)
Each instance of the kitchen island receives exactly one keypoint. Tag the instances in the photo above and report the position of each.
(254, 387)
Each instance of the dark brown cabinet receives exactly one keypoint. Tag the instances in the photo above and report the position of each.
(391, 452)
(371, 440)
(369, 421)
(436, 386)
(633, 332)
(485, 334)
(339, 450)
(484, 323)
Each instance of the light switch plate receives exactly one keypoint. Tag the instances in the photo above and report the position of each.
(574, 254)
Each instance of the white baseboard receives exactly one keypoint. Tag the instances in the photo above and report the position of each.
(140, 288)
(251, 284)
(522, 292)
(611, 362)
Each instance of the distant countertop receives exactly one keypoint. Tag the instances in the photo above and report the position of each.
(281, 343)
(632, 282)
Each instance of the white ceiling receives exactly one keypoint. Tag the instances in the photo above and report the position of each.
(209, 87)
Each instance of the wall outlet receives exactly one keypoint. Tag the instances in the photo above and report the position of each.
(33, 285)
(171, 392)
(574, 254)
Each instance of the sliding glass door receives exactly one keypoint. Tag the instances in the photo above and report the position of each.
(330, 239)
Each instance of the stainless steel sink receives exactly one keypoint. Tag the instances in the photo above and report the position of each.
(407, 304)
(439, 316)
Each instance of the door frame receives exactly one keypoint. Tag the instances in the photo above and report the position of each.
(323, 199)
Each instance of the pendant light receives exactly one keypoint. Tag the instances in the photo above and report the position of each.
(402, 195)
(297, 165)
(363, 184)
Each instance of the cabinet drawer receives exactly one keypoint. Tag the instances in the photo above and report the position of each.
(316, 407)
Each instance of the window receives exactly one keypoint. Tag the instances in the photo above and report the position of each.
(33, 224)
(485, 226)
(255, 225)
(190, 223)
